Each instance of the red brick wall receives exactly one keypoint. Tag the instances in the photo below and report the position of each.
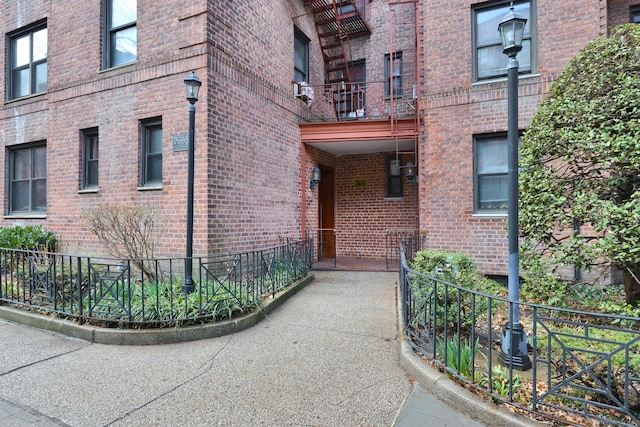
(32, 123)
(618, 11)
(249, 180)
(455, 109)
(248, 154)
(363, 210)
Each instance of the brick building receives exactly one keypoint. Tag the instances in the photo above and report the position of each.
(94, 112)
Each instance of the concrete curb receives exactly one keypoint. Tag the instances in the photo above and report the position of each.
(173, 335)
(440, 385)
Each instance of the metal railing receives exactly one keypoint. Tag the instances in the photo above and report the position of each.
(148, 292)
(360, 100)
(411, 239)
(586, 366)
(327, 245)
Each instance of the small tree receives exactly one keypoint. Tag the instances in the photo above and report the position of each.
(580, 161)
(131, 232)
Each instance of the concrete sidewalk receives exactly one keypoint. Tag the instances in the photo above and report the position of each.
(327, 357)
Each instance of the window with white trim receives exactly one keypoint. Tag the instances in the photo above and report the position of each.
(393, 75)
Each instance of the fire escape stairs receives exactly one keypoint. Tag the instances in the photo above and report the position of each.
(337, 21)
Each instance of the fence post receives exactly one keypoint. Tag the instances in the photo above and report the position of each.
(79, 283)
(403, 288)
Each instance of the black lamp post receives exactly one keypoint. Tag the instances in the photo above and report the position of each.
(514, 339)
(193, 87)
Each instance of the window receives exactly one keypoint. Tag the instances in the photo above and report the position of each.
(28, 179)
(301, 56)
(634, 14)
(349, 8)
(394, 177)
(393, 73)
(90, 158)
(28, 62)
(491, 173)
(121, 42)
(151, 168)
(488, 59)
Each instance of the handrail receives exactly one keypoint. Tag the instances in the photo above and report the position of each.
(321, 239)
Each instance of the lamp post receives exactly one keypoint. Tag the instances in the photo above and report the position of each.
(514, 339)
(193, 87)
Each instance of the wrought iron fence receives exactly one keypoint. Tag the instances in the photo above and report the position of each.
(412, 240)
(586, 366)
(148, 292)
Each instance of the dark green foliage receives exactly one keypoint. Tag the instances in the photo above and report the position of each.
(28, 237)
(460, 354)
(457, 269)
(581, 156)
(452, 267)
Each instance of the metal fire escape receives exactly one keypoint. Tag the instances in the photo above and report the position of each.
(336, 22)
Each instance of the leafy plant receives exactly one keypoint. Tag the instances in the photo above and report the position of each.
(579, 199)
(28, 237)
(457, 269)
(166, 304)
(459, 354)
(500, 381)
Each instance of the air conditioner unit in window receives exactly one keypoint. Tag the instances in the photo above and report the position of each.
(303, 91)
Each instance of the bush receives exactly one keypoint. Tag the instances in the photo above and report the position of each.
(456, 307)
(456, 268)
(128, 232)
(28, 237)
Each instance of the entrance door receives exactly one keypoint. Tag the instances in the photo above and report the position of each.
(326, 218)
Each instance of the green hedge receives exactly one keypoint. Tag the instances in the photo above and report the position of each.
(28, 237)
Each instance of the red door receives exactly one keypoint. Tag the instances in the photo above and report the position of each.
(326, 218)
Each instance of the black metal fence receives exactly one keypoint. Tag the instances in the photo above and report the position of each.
(148, 292)
(411, 239)
(586, 366)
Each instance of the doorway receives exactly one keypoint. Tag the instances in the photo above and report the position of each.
(326, 214)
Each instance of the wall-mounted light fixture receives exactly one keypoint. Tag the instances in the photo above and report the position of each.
(315, 177)
(411, 173)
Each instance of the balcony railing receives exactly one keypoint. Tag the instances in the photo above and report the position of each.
(359, 101)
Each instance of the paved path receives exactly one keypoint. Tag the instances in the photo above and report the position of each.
(327, 357)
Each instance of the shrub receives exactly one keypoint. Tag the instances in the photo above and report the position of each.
(130, 232)
(457, 269)
(28, 237)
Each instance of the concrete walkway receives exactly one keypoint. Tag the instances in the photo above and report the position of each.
(329, 356)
